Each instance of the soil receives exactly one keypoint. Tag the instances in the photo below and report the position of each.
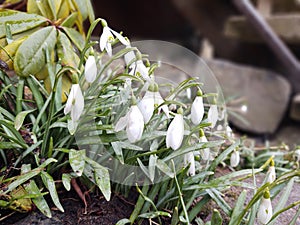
(99, 211)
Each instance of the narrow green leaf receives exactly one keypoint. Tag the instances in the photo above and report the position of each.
(21, 179)
(77, 160)
(19, 21)
(40, 202)
(162, 166)
(143, 168)
(216, 218)
(118, 151)
(152, 166)
(50, 185)
(21, 117)
(239, 205)
(8, 145)
(30, 57)
(152, 215)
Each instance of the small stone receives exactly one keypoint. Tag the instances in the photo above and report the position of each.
(295, 108)
(265, 93)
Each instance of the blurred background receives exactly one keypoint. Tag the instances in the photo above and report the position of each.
(242, 61)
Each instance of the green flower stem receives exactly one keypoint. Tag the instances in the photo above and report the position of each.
(51, 109)
(139, 204)
(285, 209)
(180, 195)
(20, 91)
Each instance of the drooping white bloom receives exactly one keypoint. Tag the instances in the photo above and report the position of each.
(235, 158)
(297, 155)
(146, 105)
(138, 68)
(175, 132)
(129, 57)
(75, 103)
(107, 38)
(229, 132)
(134, 123)
(197, 110)
(212, 115)
(205, 153)
(190, 159)
(265, 210)
(271, 174)
(90, 69)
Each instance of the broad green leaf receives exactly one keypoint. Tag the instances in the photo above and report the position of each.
(19, 21)
(50, 185)
(66, 179)
(30, 56)
(70, 20)
(101, 176)
(66, 52)
(123, 221)
(77, 160)
(20, 118)
(75, 37)
(40, 202)
(32, 7)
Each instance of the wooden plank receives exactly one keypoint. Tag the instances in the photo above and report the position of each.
(285, 25)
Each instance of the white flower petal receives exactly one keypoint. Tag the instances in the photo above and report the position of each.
(265, 211)
(121, 124)
(271, 174)
(135, 125)
(213, 115)
(75, 102)
(146, 106)
(129, 57)
(90, 69)
(120, 37)
(175, 132)
(190, 159)
(104, 38)
(235, 159)
(205, 153)
(197, 110)
(108, 49)
(78, 102)
(142, 69)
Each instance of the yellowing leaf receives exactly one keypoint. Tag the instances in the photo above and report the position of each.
(19, 21)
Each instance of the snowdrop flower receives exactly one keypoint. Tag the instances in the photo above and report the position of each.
(197, 110)
(107, 38)
(75, 103)
(146, 105)
(134, 123)
(265, 211)
(235, 158)
(90, 69)
(138, 68)
(129, 57)
(190, 159)
(229, 132)
(205, 153)
(212, 115)
(297, 155)
(175, 131)
(271, 174)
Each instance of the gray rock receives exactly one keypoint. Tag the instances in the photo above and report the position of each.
(266, 94)
(295, 108)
